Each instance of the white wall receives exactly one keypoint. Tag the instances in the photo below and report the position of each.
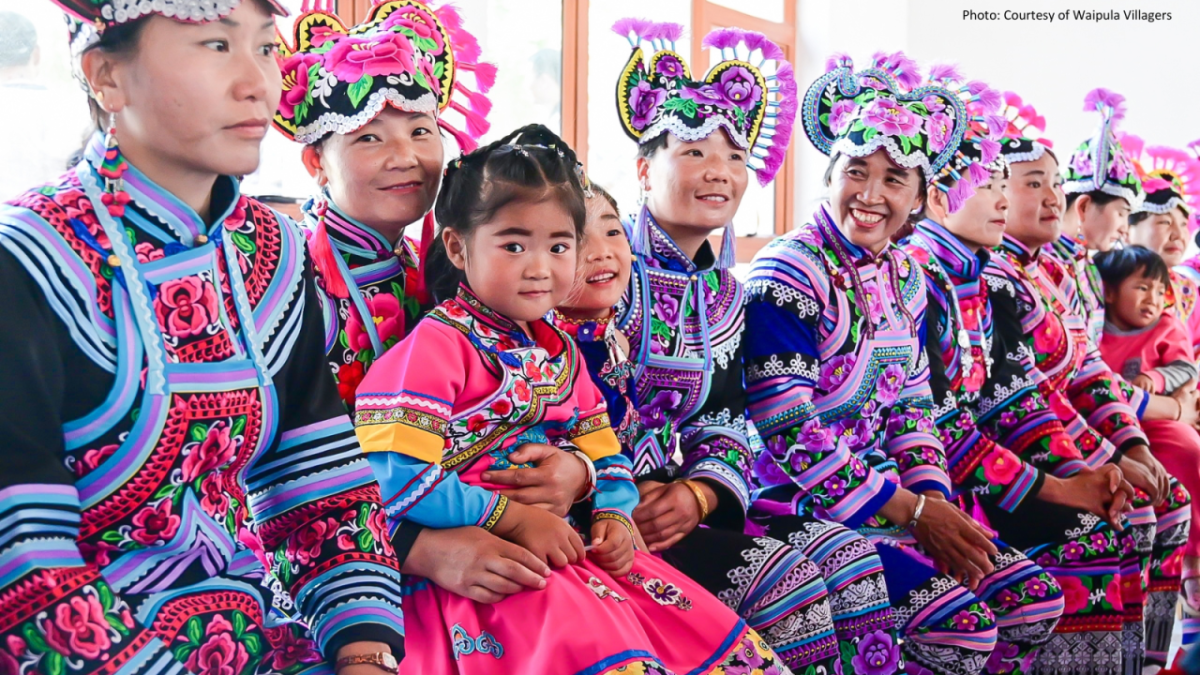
(1051, 65)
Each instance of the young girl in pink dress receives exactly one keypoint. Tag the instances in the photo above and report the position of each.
(484, 372)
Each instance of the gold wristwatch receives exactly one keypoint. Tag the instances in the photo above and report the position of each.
(384, 660)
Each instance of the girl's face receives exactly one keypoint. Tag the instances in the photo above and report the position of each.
(1163, 233)
(871, 198)
(604, 262)
(1035, 201)
(196, 98)
(522, 263)
(385, 175)
(980, 221)
(1137, 302)
(1102, 226)
(694, 186)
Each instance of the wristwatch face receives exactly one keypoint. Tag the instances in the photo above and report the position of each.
(389, 662)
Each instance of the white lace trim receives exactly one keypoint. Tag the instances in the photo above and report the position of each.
(1035, 153)
(916, 160)
(341, 124)
(1148, 207)
(691, 134)
(198, 11)
(776, 368)
(1128, 194)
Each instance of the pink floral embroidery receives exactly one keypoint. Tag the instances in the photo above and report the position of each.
(216, 450)
(154, 524)
(1075, 594)
(147, 252)
(186, 307)
(1000, 466)
(219, 655)
(309, 540)
(352, 58)
(388, 317)
(79, 627)
(295, 82)
(289, 649)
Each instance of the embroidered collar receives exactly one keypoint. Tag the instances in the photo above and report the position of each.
(545, 335)
(589, 330)
(1024, 255)
(182, 220)
(959, 261)
(352, 236)
(666, 253)
(860, 256)
(1072, 246)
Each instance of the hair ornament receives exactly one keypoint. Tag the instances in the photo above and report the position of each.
(1100, 162)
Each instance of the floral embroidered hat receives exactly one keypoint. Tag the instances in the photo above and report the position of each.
(1170, 176)
(978, 152)
(887, 106)
(1023, 140)
(337, 79)
(751, 93)
(92, 17)
(1100, 163)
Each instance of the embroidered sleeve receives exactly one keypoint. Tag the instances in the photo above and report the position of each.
(975, 462)
(1175, 353)
(911, 438)
(782, 366)
(714, 441)
(43, 574)
(616, 495)
(314, 501)
(403, 409)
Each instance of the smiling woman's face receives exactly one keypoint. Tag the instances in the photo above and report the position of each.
(871, 198)
(696, 185)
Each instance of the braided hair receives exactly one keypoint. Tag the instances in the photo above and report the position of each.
(531, 164)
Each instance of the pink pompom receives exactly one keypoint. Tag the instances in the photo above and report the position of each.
(1100, 98)
(479, 103)
(668, 30)
(989, 150)
(978, 174)
(906, 71)
(976, 87)
(944, 72)
(989, 100)
(843, 60)
(996, 124)
(770, 50)
(1132, 145)
(724, 38)
(785, 120)
(477, 125)
(1012, 99)
(466, 47)
(638, 27)
(1155, 184)
(465, 142)
(485, 75)
(958, 195)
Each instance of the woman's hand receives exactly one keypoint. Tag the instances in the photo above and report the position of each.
(548, 537)
(554, 484)
(959, 545)
(612, 547)
(474, 563)
(1145, 472)
(1144, 382)
(669, 512)
(1188, 399)
(1103, 492)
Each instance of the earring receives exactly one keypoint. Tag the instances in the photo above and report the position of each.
(113, 169)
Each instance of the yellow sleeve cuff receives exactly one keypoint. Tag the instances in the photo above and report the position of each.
(403, 439)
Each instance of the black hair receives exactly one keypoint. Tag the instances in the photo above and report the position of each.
(1099, 197)
(1119, 264)
(18, 40)
(599, 191)
(652, 146)
(1135, 218)
(530, 164)
(913, 218)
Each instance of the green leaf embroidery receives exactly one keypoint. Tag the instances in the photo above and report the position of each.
(300, 110)
(857, 126)
(405, 30)
(905, 145)
(366, 357)
(358, 91)
(343, 340)
(55, 664)
(253, 644)
(198, 432)
(239, 623)
(366, 541)
(182, 652)
(419, 78)
(116, 624)
(111, 536)
(106, 596)
(362, 518)
(239, 425)
(824, 117)
(685, 106)
(398, 291)
(244, 243)
(919, 108)
(917, 142)
(870, 133)
(425, 44)
(194, 631)
(659, 328)
(34, 639)
(439, 69)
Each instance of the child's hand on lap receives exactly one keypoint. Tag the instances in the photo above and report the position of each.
(544, 534)
(1143, 381)
(612, 546)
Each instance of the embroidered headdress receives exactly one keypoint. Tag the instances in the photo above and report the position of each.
(1023, 140)
(93, 17)
(887, 107)
(1170, 177)
(751, 93)
(336, 79)
(1100, 163)
(979, 151)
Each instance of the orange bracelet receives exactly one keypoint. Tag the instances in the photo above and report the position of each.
(703, 501)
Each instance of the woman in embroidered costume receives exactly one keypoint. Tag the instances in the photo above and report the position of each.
(511, 215)
(838, 379)
(1003, 441)
(371, 140)
(767, 582)
(1171, 180)
(1100, 632)
(192, 491)
(1102, 185)
(683, 316)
